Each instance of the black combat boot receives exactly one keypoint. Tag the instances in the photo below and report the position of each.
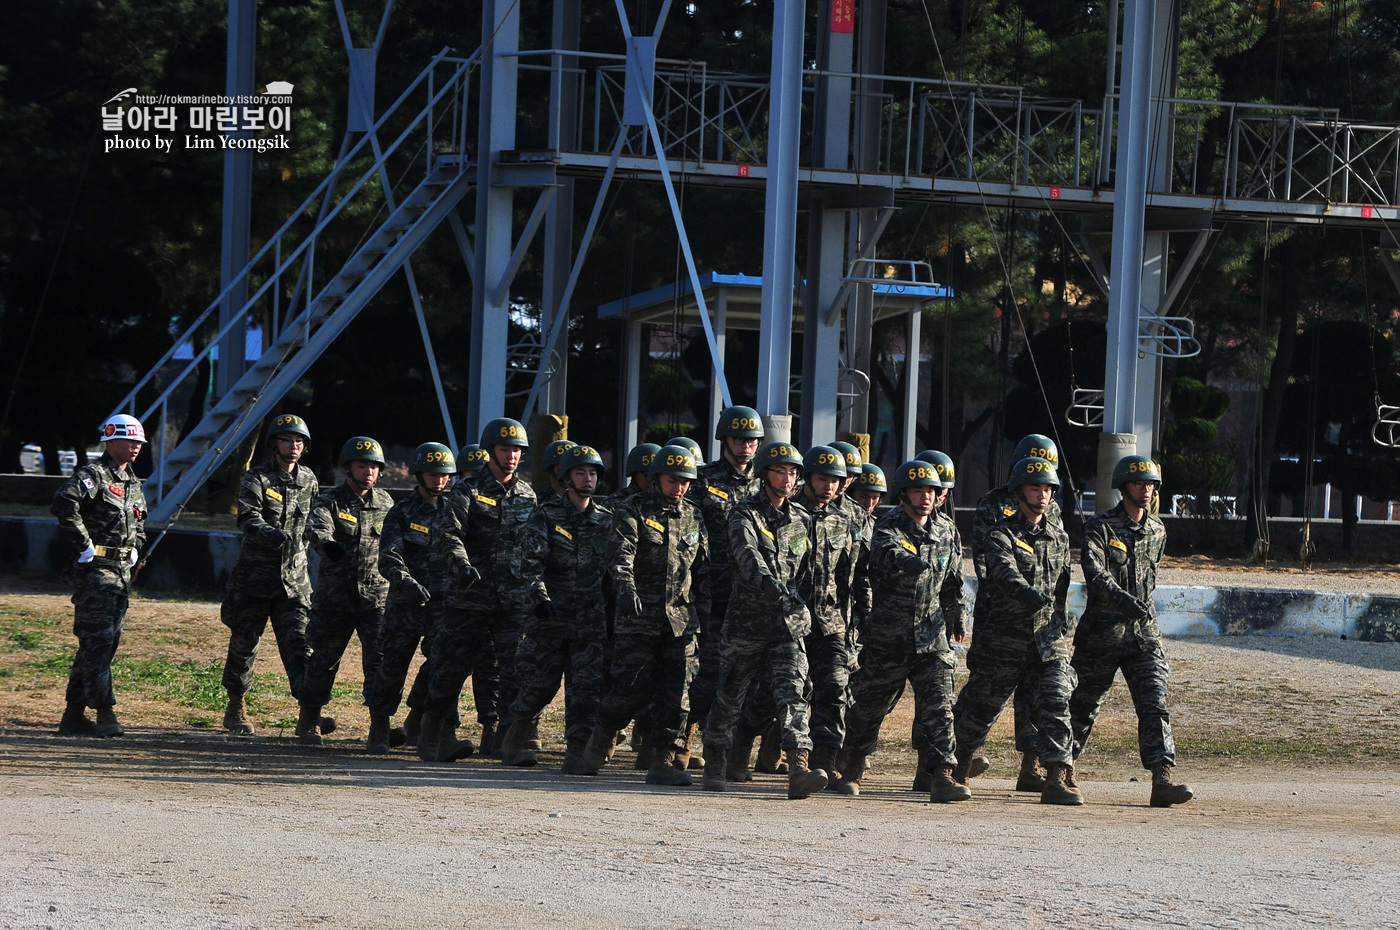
(429, 734)
(942, 787)
(663, 771)
(75, 721)
(573, 758)
(450, 748)
(737, 767)
(715, 764)
(595, 755)
(236, 717)
(1060, 787)
(377, 743)
(107, 725)
(851, 775)
(307, 722)
(328, 726)
(1029, 778)
(803, 782)
(1166, 792)
(515, 748)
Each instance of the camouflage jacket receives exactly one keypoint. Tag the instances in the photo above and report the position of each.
(862, 588)
(1024, 558)
(102, 505)
(770, 556)
(488, 529)
(716, 492)
(995, 508)
(269, 500)
(565, 550)
(920, 609)
(415, 545)
(357, 523)
(827, 589)
(1120, 557)
(660, 551)
(622, 496)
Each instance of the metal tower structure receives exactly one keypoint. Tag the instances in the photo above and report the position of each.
(1141, 166)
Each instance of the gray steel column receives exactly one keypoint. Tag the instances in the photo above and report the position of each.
(494, 207)
(708, 442)
(629, 430)
(559, 221)
(780, 217)
(913, 339)
(238, 197)
(868, 107)
(1130, 201)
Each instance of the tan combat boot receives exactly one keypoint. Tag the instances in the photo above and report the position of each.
(107, 725)
(663, 771)
(307, 721)
(598, 751)
(450, 748)
(1166, 792)
(236, 717)
(851, 775)
(515, 747)
(76, 722)
(943, 789)
(377, 742)
(740, 751)
(1030, 778)
(803, 782)
(771, 759)
(1060, 787)
(923, 778)
(824, 758)
(573, 758)
(715, 764)
(488, 735)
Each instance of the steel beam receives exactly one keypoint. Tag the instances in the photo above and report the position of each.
(913, 338)
(559, 223)
(238, 199)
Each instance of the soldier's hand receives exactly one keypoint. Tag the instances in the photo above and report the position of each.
(273, 536)
(915, 565)
(1036, 599)
(416, 593)
(957, 630)
(333, 549)
(88, 553)
(791, 604)
(1136, 608)
(629, 605)
(544, 610)
(468, 575)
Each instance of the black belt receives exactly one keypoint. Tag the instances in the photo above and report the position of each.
(113, 552)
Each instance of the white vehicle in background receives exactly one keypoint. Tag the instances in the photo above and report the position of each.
(31, 460)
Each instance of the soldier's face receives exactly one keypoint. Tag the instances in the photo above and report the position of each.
(288, 446)
(506, 458)
(643, 480)
(1037, 497)
(123, 451)
(673, 488)
(782, 479)
(868, 500)
(364, 474)
(919, 501)
(942, 496)
(823, 487)
(1140, 492)
(584, 479)
(741, 449)
(432, 484)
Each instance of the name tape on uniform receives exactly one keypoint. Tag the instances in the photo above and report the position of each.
(656, 526)
(490, 501)
(347, 516)
(273, 494)
(722, 495)
(1117, 545)
(418, 527)
(910, 546)
(1026, 546)
(563, 532)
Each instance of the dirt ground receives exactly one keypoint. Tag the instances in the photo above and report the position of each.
(1290, 744)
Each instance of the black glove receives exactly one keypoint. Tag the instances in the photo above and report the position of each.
(1134, 608)
(1036, 599)
(333, 550)
(956, 629)
(629, 605)
(544, 610)
(468, 574)
(416, 593)
(914, 565)
(273, 536)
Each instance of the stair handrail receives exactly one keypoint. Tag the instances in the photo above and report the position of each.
(128, 403)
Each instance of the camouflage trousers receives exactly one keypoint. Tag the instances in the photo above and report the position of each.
(458, 645)
(404, 631)
(1097, 658)
(542, 661)
(655, 669)
(743, 658)
(996, 669)
(828, 692)
(99, 610)
(706, 680)
(329, 632)
(486, 685)
(1024, 712)
(247, 617)
(875, 690)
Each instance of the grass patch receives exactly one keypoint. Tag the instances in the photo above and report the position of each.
(26, 639)
(188, 683)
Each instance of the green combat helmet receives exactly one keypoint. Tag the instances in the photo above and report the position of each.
(778, 453)
(685, 442)
(852, 454)
(676, 461)
(639, 459)
(503, 431)
(287, 423)
(433, 458)
(361, 449)
(471, 459)
(824, 460)
(739, 422)
(943, 463)
(1135, 468)
(1033, 470)
(915, 473)
(554, 452)
(1036, 446)
(578, 455)
(872, 478)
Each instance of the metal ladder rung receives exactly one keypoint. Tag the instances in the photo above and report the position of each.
(1085, 407)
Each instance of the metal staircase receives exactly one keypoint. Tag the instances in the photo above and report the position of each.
(305, 315)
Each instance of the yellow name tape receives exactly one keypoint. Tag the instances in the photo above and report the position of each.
(1026, 546)
(348, 516)
(656, 526)
(1117, 545)
(563, 532)
(910, 546)
(491, 501)
(418, 528)
(1008, 512)
(722, 495)
(273, 494)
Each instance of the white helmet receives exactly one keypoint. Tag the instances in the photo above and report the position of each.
(121, 426)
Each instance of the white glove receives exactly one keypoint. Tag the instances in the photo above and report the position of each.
(87, 554)
(133, 557)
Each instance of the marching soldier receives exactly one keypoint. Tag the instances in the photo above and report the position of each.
(1118, 630)
(102, 512)
(554, 485)
(270, 579)
(637, 470)
(345, 526)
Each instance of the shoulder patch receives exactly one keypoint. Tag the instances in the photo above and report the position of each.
(910, 546)
(274, 494)
(347, 516)
(1117, 545)
(489, 501)
(654, 525)
(418, 528)
(1026, 546)
(722, 495)
(88, 483)
(1008, 512)
(563, 532)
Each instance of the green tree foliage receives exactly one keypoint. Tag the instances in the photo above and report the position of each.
(1189, 464)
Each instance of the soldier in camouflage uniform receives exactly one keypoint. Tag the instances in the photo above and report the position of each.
(721, 484)
(916, 574)
(489, 513)
(566, 545)
(658, 562)
(102, 512)
(553, 488)
(345, 526)
(768, 620)
(417, 559)
(1118, 630)
(996, 507)
(270, 579)
(636, 470)
(1025, 633)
